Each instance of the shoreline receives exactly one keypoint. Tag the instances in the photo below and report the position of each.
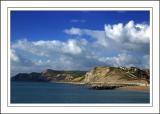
(130, 88)
(75, 83)
(136, 88)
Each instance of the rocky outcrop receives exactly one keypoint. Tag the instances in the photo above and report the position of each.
(116, 75)
(101, 76)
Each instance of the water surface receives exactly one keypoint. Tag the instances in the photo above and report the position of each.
(40, 92)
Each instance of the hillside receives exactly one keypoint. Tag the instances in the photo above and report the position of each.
(50, 75)
(97, 75)
(117, 75)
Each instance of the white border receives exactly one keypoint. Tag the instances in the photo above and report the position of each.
(81, 9)
(4, 85)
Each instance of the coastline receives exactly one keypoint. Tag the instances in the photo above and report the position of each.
(130, 88)
(136, 88)
(75, 83)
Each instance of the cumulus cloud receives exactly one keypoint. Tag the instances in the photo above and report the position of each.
(43, 48)
(40, 55)
(126, 60)
(73, 31)
(135, 33)
(98, 35)
(134, 37)
(14, 57)
(20, 63)
(117, 45)
(72, 47)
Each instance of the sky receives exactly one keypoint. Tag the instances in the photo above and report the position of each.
(78, 40)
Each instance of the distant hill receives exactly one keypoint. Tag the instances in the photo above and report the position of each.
(50, 75)
(115, 75)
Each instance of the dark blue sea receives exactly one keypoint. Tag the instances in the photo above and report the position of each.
(40, 92)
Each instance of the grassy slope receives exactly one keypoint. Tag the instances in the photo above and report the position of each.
(124, 74)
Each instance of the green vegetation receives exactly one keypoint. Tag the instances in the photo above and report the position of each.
(51, 75)
(75, 74)
(95, 75)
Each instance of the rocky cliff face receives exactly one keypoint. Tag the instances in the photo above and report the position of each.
(96, 74)
(103, 75)
(117, 75)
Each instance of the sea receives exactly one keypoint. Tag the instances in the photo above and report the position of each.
(44, 92)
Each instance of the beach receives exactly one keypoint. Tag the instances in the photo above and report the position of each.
(136, 88)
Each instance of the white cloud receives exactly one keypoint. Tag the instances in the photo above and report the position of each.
(43, 48)
(73, 31)
(39, 55)
(134, 37)
(97, 34)
(134, 33)
(121, 60)
(14, 57)
(20, 64)
(72, 47)
(114, 32)
(116, 45)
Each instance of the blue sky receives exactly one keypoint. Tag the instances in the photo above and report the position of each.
(84, 38)
(36, 25)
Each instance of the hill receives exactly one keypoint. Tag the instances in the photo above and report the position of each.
(116, 76)
(98, 75)
(50, 75)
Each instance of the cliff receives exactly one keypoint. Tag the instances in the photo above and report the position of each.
(97, 75)
(117, 75)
